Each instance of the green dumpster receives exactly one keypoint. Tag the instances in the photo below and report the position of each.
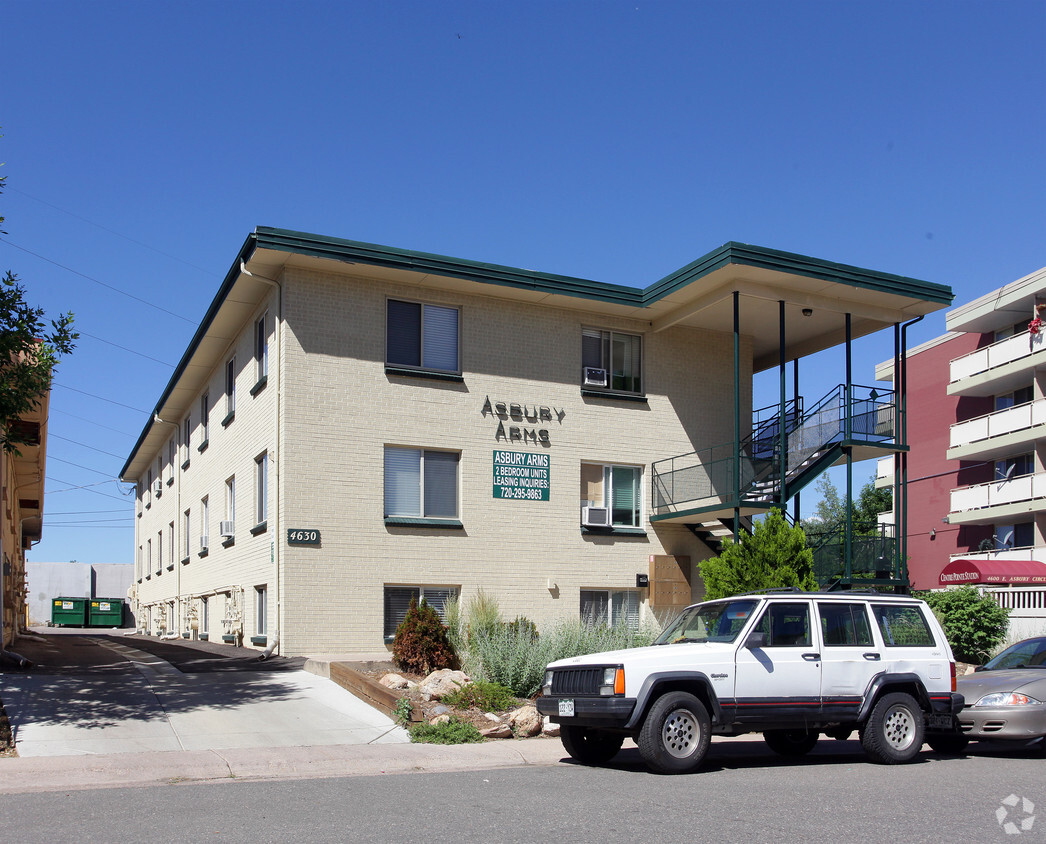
(105, 612)
(71, 612)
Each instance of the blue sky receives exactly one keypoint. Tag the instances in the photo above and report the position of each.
(608, 140)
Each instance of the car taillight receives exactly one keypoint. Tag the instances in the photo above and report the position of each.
(954, 687)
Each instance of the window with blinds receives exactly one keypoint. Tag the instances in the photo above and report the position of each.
(398, 598)
(618, 355)
(611, 608)
(421, 483)
(422, 336)
(616, 487)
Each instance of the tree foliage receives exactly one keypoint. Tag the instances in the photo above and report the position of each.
(421, 644)
(830, 512)
(974, 624)
(29, 352)
(773, 556)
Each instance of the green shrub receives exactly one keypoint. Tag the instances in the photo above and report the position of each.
(492, 697)
(454, 731)
(974, 624)
(402, 711)
(421, 643)
(483, 613)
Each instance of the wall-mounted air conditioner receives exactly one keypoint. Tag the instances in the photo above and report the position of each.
(595, 516)
(226, 530)
(203, 543)
(594, 376)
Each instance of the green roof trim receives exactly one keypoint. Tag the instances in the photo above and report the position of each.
(357, 252)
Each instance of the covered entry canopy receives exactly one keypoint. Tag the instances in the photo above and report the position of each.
(959, 572)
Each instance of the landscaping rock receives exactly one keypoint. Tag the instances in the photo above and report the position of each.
(441, 683)
(440, 719)
(395, 681)
(500, 731)
(490, 716)
(549, 729)
(525, 721)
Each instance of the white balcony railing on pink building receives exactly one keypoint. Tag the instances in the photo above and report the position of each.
(997, 354)
(998, 493)
(1000, 422)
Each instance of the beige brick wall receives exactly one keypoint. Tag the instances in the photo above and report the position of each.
(338, 410)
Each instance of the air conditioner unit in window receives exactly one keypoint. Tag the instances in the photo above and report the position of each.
(203, 543)
(595, 516)
(595, 377)
(158, 488)
(226, 530)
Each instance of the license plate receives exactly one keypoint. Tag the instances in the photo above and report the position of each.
(940, 722)
(566, 708)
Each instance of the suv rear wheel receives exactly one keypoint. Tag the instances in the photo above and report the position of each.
(675, 735)
(894, 731)
(589, 746)
(790, 742)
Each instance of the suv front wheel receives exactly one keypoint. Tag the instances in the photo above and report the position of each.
(590, 746)
(894, 731)
(675, 735)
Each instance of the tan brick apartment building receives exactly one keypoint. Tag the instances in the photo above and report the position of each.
(352, 425)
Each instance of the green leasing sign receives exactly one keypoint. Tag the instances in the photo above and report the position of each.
(521, 475)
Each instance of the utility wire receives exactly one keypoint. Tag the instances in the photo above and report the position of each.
(96, 281)
(105, 229)
(100, 398)
(84, 487)
(124, 348)
(91, 422)
(80, 512)
(109, 475)
(85, 445)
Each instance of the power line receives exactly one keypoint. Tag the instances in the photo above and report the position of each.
(90, 527)
(105, 229)
(85, 445)
(91, 521)
(79, 512)
(91, 422)
(124, 348)
(100, 398)
(96, 281)
(83, 487)
(78, 466)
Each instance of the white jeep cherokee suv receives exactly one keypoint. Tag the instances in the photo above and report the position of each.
(791, 665)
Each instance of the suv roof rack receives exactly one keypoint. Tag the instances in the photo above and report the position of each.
(776, 590)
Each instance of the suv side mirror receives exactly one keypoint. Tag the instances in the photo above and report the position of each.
(756, 639)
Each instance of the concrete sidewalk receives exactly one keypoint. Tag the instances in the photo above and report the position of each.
(68, 773)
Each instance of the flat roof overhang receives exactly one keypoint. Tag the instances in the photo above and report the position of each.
(699, 295)
(1009, 304)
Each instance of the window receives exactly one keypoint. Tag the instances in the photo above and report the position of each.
(204, 616)
(902, 626)
(186, 534)
(785, 626)
(159, 550)
(159, 471)
(614, 609)
(186, 440)
(148, 495)
(261, 610)
(1014, 467)
(261, 488)
(261, 349)
(170, 545)
(611, 360)
(230, 499)
(422, 336)
(1014, 536)
(1021, 396)
(845, 624)
(398, 598)
(204, 523)
(420, 483)
(230, 389)
(172, 456)
(610, 495)
(138, 563)
(205, 420)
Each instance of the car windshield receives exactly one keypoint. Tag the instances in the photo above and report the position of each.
(1031, 653)
(718, 622)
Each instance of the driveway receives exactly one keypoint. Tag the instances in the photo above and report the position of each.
(93, 693)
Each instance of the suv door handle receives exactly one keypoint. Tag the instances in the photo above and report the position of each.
(811, 657)
(872, 656)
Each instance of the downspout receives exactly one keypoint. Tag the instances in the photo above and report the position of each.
(904, 455)
(782, 436)
(848, 427)
(737, 416)
(276, 543)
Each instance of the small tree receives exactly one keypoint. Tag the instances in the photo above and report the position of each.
(421, 644)
(974, 624)
(774, 555)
